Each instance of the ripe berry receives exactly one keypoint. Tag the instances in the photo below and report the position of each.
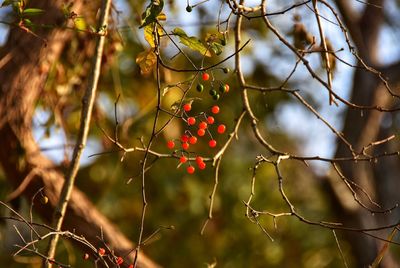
(216, 97)
(187, 107)
(183, 159)
(212, 143)
(190, 169)
(189, 9)
(170, 144)
(199, 87)
(201, 132)
(226, 88)
(203, 125)
(201, 165)
(191, 121)
(130, 266)
(199, 159)
(210, 120)
(85, 256)
(205, 76)
(193, 140)
(120, 260)
(185, 145)
(212, 92)
(185, 138)
(221, 128)
(101, 251)
(215, 109)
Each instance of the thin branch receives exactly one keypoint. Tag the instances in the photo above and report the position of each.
(86, 114)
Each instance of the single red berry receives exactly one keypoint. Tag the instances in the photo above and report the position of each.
(226, 88)
(203, 125)
(183, 159)
(215, 109)
(190, 169)
(210, 120)
(130, 266)
(101, 251)
(201, 132)
(185, 145)
(193, 140)
(120, 260)
(171, 144)
(191, 121)
(187, 107)
(205, 76)
(86, 256)
(201, 165)
(212, 143)
(221, 128)
(199, 159)
(185, 138)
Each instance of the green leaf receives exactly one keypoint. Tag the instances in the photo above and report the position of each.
(152, 11)
(32, 12)
(191, 42)
(6, 3)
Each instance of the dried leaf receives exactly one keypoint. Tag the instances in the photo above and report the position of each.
(146, 61)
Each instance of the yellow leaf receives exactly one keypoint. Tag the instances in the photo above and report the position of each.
(146, 61)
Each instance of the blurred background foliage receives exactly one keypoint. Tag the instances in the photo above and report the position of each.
(179, 202)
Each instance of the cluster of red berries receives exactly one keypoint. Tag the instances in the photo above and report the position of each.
(223, 88)
(102, 252)
(203, 128)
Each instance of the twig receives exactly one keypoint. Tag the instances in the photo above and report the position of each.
(88, 102)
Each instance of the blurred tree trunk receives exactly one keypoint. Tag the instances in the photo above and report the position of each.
(25, 61)
(364, 127)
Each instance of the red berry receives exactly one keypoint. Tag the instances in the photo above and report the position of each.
(86, 256)
(212, 143)
(185, 138)
(130, 266)
(203, 125)
(190, 169)
(221, 129)
(199, 159)
(226, 88)
(201, 132)
(187, 107)
(193, 140)
(185, 145)
(205, 76)
(171, 144)
(210, 120)
(183, 159)
(101, 251)
(201, 165)
(120, 260)
(191, 121)
(215, 109)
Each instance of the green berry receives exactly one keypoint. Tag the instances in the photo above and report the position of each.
(223, 42)
(212, 92)
(189, 9)
(222, 88)
(226, 70)
(199, 88)
(216, 97)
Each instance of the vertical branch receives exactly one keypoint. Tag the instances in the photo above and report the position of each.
(325, 52)
(87, 102)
